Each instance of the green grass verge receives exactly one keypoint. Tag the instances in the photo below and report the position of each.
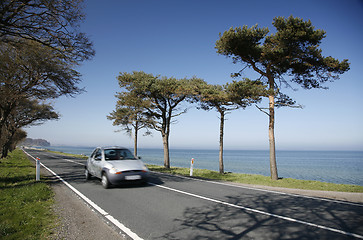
(255, 179)
(26, 205)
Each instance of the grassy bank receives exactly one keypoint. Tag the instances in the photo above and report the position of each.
(259, 180)
(25, 211)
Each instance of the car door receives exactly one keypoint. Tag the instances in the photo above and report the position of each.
(90, 163)
(97, 163)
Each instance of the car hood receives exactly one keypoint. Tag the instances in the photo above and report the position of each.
(127, 165)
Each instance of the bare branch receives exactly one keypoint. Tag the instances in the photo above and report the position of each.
(262, 110)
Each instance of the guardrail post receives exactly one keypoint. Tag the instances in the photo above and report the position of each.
(37, 171)
(191, 167)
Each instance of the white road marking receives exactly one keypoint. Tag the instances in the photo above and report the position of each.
(260, 212)
(91, 203)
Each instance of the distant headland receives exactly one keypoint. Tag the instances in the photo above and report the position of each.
(35, 142)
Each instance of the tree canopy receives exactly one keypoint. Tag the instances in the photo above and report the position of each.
(293, 51)
(161, 98)
(40, 46)
(52, 23)
(24, 113)
(33, 70)
(155, 101)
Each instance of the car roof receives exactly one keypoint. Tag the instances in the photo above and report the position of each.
(113, 147)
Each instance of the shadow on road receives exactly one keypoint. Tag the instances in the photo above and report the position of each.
(217, 221)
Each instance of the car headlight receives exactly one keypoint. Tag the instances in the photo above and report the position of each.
(114, 171)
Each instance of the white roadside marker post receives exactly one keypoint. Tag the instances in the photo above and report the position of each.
(37, 170)
(191, 167)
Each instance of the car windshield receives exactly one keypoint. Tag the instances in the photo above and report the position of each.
(118, 154)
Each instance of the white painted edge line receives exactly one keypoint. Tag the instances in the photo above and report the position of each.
(260, 212)
(266, 190)
(91, 203)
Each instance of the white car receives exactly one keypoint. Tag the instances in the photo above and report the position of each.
(115, 165)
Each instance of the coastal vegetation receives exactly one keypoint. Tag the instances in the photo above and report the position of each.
(26, 205)
(291, 55)
(149, 101)
(40, 48)
(155, 101)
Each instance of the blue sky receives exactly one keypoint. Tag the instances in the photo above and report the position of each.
(177, 38)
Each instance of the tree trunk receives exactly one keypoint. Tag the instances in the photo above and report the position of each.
(136, 130)
(271, 133)
(3, 118)
(5, 150)
(7, 144)
(221, 131)
(166, 150)
(6, 110)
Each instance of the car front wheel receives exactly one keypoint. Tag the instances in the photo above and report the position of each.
(105, 183)
(87, 174)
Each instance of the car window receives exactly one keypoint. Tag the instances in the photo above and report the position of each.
(98, 155)
(94, 153)
(118, 154)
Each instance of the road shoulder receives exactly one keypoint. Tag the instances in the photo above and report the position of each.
(77, 220)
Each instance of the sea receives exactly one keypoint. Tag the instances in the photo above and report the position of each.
(342, 167)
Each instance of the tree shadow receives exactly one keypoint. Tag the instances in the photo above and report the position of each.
(218, 221)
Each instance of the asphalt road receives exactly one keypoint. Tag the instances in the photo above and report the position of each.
(172, 207)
